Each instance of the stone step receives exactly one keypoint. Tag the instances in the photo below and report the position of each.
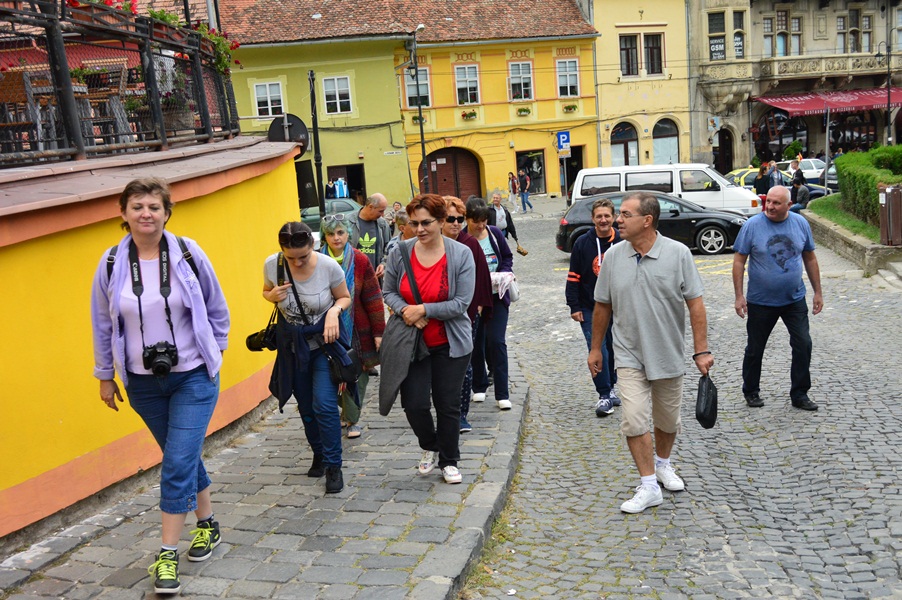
(895, 267)
(890, 277)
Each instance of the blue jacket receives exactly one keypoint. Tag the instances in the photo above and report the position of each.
(584, 267)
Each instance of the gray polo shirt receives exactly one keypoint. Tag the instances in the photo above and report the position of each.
(648, 300)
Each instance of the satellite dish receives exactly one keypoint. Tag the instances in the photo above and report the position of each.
(297, 132)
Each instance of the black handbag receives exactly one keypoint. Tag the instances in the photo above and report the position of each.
(706, 403)
(344, 373)
(265, 339)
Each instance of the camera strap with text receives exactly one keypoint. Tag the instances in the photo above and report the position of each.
(138, 286)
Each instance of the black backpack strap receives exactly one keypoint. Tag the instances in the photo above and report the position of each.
(186, 254)
(280, 270)
(110, 260)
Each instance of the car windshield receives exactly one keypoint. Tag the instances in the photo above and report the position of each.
(720, 178)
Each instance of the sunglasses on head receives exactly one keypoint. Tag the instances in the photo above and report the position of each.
(450, 219)
(336, 218)
(298, 239)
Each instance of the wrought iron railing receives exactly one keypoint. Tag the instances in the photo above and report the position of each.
(78, 82)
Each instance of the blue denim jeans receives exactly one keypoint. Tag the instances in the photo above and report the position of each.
(177, 410)
(491, 341)
(759, 324)
(317, 398)
(524, 199)
(606, 379)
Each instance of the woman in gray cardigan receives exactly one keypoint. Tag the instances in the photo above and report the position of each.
(444, 275)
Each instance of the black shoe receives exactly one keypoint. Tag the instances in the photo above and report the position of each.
(334, 480)
(754, 400)
(316, 469)
(165, 573)
(206, 537)
(805, 404)
(373, 372)
(491, 381)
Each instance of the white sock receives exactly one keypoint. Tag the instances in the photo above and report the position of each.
(661, 462)
(173, 548)
(650, 481)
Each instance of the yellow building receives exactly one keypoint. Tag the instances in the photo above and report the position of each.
(643, 82)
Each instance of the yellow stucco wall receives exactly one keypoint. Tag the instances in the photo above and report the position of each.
(370, 135)
(498, 132)
(53, 416)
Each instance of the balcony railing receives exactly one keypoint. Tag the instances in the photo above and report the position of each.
(77, 82)
(833, 65)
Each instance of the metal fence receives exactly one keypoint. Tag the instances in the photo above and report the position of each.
(81, 81)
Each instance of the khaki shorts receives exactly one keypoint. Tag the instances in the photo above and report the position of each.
(643, 401)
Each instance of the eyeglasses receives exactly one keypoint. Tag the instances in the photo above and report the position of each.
(424, 223)
(298, 239)
(336, 218)
(627, 215)
(450, 219)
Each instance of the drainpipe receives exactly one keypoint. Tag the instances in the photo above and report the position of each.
(689, 87)
(595, 82)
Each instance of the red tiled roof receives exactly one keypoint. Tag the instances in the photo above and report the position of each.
(263, 21)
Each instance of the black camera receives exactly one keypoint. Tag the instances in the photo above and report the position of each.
(160, 358)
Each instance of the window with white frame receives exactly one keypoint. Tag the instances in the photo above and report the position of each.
(767, 26)
(268, 99)
(739, 34)
(782, 35)
(467, 77)
(417, 96)
(521, 81)
(717, 41)
(567, 78)
(337, 91)
(654, 53)
(629, 55)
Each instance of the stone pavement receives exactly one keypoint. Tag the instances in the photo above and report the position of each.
(779, 503)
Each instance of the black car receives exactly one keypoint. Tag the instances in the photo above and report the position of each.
(710, 231)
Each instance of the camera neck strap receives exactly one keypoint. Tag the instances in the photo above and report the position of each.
(282, 267)
(138, 285)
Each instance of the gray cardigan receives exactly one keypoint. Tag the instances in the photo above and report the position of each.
(461, 282)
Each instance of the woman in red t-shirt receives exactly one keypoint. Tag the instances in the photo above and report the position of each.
(443, 271)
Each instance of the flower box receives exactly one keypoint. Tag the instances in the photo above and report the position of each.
(468, 115)
(102, 15)
(416, 119)
(523, 112)
(571, 108)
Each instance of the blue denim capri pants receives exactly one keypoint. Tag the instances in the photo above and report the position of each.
(177, 409)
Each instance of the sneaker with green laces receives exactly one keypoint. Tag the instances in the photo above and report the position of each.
(206, 537)
(165, 572)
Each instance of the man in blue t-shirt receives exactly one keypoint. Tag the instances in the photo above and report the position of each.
(779, 243)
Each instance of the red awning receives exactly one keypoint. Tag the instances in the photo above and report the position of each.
(816, 103)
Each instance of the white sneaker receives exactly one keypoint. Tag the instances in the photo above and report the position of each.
(451, 474)
(478, 397)
(645, 497)
(427, 463)
(669, 479)
(504, 404)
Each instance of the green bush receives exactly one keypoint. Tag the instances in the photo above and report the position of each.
(861, 173)
(792, 150)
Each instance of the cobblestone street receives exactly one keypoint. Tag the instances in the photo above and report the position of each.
(779, 503)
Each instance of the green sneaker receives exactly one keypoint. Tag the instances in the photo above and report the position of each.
(165, 572)
(206, 537)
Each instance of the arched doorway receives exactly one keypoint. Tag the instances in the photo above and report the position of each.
(453, 172)
(624, 145)
(776, 130)
(723, 151)
(666, 139)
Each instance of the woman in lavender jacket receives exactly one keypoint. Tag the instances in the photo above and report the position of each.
(167, 350)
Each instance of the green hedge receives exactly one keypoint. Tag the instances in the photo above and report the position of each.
(859, 175)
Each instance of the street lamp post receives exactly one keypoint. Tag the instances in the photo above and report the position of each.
(889, 64)
(414, 70)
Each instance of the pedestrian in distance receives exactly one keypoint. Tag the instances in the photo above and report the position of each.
(801, 196)
(779, 244)
(491, 334)
(523, 185)
(366, 317)
(158, 288)
(441, 273)
(481, 304)
(501, 218)
(312, 294)
(762, 181)
(513, 186)
(585, 261)
(646, 283)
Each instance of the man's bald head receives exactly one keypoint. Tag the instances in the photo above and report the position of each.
(374, 207)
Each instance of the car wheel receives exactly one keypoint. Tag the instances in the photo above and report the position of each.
(711, 240)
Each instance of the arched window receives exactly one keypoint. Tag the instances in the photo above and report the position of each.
(666, 139)
(624, 145)
(776, 130)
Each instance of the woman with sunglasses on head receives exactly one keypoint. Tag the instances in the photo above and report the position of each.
(311, 301)
(481, 305)
(366, 318)
(161, 322)
(492, 331)
(443, 275)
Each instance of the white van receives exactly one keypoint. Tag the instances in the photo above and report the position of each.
(696, 182)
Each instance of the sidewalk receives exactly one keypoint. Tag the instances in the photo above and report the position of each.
(390, 534)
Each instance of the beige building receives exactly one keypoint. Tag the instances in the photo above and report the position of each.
(764, 74)
(641, 82)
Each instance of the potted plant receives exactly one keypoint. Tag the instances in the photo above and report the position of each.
(523, 111)
(218, 44)
(417, 118)
(107, 13)
(167, 25)
(569, 108)
(468, 115)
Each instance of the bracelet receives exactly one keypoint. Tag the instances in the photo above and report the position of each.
(697, 354)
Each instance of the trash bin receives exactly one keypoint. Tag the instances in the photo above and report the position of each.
(891, 216)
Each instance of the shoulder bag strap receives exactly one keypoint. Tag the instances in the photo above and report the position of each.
(294, 290)
(405, 256)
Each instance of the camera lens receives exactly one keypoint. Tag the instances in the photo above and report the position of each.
(161, 365)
